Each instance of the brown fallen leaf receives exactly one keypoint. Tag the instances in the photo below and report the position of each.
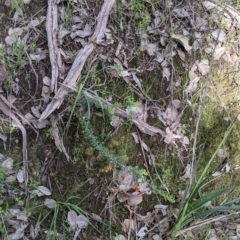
(135, 199)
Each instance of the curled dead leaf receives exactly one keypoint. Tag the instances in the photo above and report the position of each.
(135, 199)
(183, 40)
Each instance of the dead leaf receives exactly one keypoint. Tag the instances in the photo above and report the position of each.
(38, 124)
(170, 136)
(176, 103)
(6, 162)
(50, 203)
(219, 35)
(137, 81)
(124, 73)
(166, 73)
(192, 86)
(181, 12)
(142, 232)
(96, 217)
(86, 32)
(144, 188)
(185, 140)
(15, 32)
(135, 199)
(162, 208)
(159, 58)
(46, 93)
(15, 86)
(183, 40)
(33, 23)
(58, 139)
(156, 237)
(203, 67)
(63, 32)
(10, 40)
(46, 81)
(22, 215)
(126, 178)
(145, 146)
(221, 153)
(44, 190)
(129, 225)
(187, 173)
(209, 5)
(35, 111)
(216, 174)
(20, 176)
(219, 51)
(4, 139)
(181, 54)
(135, 136)
(171, 115)
(38, 57)
(152, 48)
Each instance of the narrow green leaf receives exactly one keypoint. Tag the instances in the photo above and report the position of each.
(217, 209)
(209, 197)
(201, 178)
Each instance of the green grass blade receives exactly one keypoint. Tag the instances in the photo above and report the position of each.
(74, 105)
(201, 179)
(217, 209)
(231, 202)
(208, 198)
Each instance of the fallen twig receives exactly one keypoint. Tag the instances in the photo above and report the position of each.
(76, 69)
(15, 121)
(140, 124)
(54, 53)
(36, 77)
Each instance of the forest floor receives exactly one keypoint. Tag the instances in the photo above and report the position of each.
(119, 119)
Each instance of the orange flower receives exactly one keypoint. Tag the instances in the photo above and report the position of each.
(136, 188)
(108, 168)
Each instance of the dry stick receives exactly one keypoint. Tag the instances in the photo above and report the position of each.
(78, 64)
(17, 112)
(70, 81)
(141, 125)
(207, 221)
(144, 156)
(54, 53)
(76, 69)
(36, 76)
(15, 121)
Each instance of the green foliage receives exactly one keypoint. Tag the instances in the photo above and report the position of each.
(68, 13)
(114, 160)
(158, 188)
(145, 21)
(161, 187)
(2, 173)
(163, 193)
(16, 5)
(19, 52)
(3, 184)
(195, 205)
(49, 133)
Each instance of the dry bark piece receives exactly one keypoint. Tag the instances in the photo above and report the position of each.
(58, 139)
(54, 53)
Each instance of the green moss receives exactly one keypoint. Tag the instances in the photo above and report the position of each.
(209, 117)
